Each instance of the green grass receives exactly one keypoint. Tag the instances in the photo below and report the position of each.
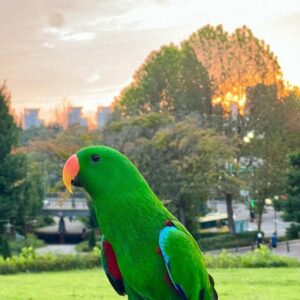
(240, 284)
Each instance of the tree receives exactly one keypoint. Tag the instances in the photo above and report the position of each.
(234, 63)
(21, 186)
(171, 80)
(180, 161)
(49, 151)
(11, 166)
(5, 249)
(275, 135)
(292, 204)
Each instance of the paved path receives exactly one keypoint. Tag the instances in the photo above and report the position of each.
(57, 249)
(292, 249)
(241, 211)
(75, 226)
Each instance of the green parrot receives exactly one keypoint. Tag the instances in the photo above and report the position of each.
(147, 254)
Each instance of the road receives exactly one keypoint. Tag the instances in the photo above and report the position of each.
(241, 211)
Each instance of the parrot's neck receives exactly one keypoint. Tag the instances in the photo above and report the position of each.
(125, 213)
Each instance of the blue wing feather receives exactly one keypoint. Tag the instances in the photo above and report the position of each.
(164, 234)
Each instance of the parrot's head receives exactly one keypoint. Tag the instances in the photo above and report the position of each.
(101, 170)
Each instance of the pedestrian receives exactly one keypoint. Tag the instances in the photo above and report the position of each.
(274, 240)
(259, 239)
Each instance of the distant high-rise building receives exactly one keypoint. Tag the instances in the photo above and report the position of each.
(103, 115)
(75, 116)
(31, 118)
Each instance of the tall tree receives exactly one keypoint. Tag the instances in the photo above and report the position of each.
(21, 187)
(234, 63)
(181, 161)
(292, 205)
(171, 80)
(12, 167)
(275, 135)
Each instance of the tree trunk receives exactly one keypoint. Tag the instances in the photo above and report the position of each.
(259, 220)
(228, 198)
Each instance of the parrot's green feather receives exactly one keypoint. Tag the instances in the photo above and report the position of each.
(131, 217)
(182, 256)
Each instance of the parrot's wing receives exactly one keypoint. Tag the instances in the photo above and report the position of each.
(110, 266)
(185, 264)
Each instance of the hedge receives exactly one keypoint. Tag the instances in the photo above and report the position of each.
(28, 261)
(259, 258)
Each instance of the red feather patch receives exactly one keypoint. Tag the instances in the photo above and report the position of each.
(169, 223)
(158, 251)
(112, 264)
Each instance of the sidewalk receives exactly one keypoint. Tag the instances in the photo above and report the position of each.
(57, 249)
(289, 248)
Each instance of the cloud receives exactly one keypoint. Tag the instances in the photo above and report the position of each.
(79, 36)
(93, 78)
(47, 45)
(69, 35)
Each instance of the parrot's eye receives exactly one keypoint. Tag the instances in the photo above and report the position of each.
(95, 157)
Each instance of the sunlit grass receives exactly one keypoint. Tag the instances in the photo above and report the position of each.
(248, 284)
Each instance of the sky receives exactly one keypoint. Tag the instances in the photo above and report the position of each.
(86, 51)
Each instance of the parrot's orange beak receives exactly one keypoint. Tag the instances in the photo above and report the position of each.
(70, 171)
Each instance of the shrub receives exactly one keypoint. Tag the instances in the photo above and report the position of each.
(92, 239)
(260, 258)
(5, 249)
(18, 243)
(28, 261)
(223, 241)
(83, 247)
(293, 231)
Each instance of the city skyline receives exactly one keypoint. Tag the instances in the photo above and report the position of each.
(67, 116)
(87, 51)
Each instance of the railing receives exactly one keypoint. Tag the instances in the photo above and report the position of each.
(56, 206)
(73, 203)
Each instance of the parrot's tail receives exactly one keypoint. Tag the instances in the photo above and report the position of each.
(212, 282)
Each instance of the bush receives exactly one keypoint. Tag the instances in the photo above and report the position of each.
(48, 220)
(5, 249)
(260, 258)
(83, 247)
(92, 239)
(293, 232)
(18, 243)
(223, 241)
(28, 261)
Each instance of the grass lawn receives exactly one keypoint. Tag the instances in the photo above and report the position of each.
(250, 284)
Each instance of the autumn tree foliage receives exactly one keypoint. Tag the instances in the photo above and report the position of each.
(235, 62)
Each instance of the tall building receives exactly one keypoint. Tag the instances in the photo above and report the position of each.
(31, 118)
(103, 115)
(75, 116)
